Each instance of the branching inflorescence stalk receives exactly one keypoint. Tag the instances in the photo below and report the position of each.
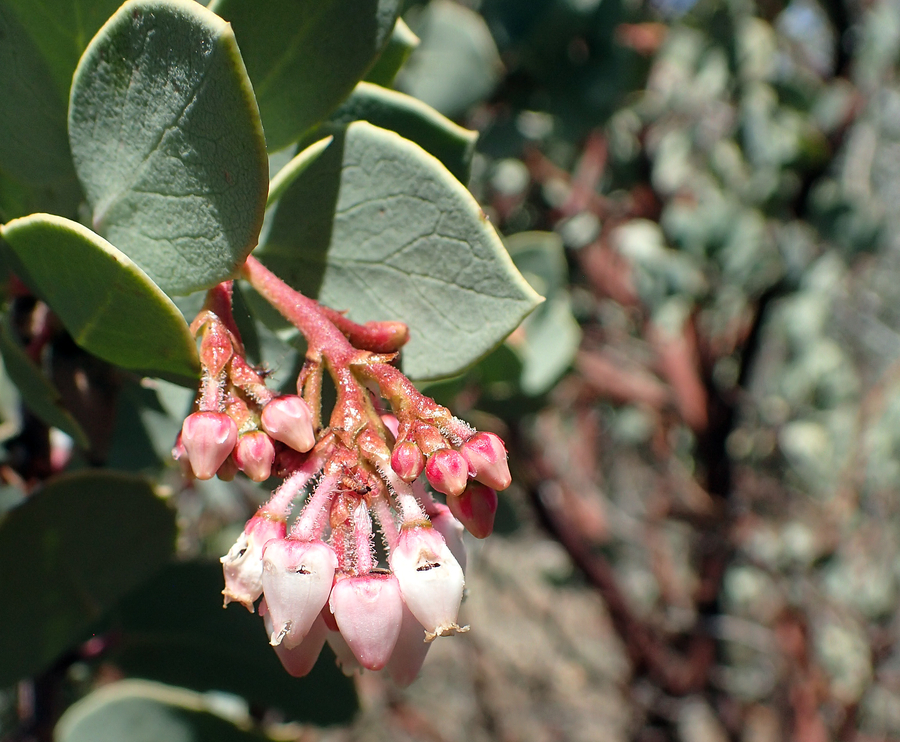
(323, 578)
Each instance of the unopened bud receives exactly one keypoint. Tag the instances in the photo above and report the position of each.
(407, 460)
(475, 508)
(409, 652)
(431, 580)
(254, 454)
(296, 581)
(243, 564)
(208, 438)
(288, 419)
(486, 457)
(228, 470)
(447, 471)
(368, 610)
(299, 660)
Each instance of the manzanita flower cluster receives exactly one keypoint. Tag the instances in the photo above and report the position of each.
(321, 577)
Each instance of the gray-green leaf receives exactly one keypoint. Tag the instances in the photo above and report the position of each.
(33, 144)
(409, 117)
(108, 304)
(551, 335)
(168, 144)
(457, 64)
(61, 30)
(401, 44)
(70, 552)
(305, 57)
(143, 711)
(379, 227)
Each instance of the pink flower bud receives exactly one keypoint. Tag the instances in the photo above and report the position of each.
(451, 529)
(299, 660)
(431, 580)
(407, 460)
(475, 508)
(344, 656)
(254, 455)
(208, 438)
(243, 564)
(409, 652)
(288, 419)
(368, 610)
(228, 470)
(486, 457)
(296, 581)
(447, 471)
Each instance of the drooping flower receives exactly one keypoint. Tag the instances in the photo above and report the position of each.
(296, 581)
(409, 651)
(368, 610)
(300, 659)
(243, 564)
(431, 580)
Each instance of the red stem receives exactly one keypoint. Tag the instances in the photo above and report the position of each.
(306, 314)
(378, 337)
(219, 302)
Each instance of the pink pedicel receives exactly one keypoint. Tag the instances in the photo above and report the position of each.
(243, 564)
(486, 457)
(296, 581)
(368, 610)
(299, 660)
(431, 580)
(407, 460)
(475, 509)
(289, 420)
(447, 471)
(409, 651)
(254, 455)
(208, 438)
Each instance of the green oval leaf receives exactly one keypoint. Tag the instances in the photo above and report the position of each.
(378, 226)
(38, 393)
(69, 552)
(61, 29)
(203, 647)
(410, 118)
(305, 57)
(296, 165)
(457, 63)
(550, 335)
(141, 711)
(167, 142)
(401, 44)
(108, 305)
(33, 143)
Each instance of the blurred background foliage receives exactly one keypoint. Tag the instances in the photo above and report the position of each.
(703, 537)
